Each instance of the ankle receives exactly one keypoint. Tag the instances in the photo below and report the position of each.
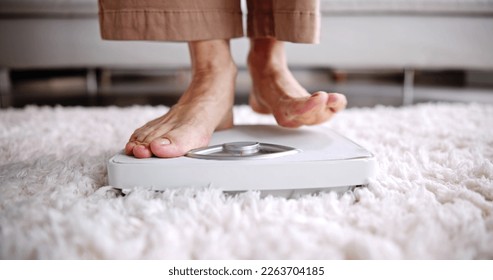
(266, 46)
(264, 67)
(212, 56)
(267, 55)
(214, 69)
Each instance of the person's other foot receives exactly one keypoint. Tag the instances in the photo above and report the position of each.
(275, 90)
(204, 107)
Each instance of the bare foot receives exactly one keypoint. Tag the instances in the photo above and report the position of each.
(276, 91)
(204, 107)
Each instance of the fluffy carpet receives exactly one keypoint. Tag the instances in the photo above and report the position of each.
(431, 199)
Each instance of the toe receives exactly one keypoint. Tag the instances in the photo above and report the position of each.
(129, 148)
(178, 142)
(308, 105)
(302, 111)
(164, 148)
(141, 151)
(336, 102)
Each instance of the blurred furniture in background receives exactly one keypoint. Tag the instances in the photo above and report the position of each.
(402, 35)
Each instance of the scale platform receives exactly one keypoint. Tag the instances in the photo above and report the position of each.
(255, 157)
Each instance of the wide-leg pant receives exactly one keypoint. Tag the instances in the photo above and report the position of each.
(191, 20)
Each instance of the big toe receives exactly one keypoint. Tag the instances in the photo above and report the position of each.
(336, 102)
(168, 147)
(318, 108)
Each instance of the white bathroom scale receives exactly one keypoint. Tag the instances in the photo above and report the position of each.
(254, 157)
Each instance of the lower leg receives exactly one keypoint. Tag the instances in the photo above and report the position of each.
(206, 105)
(276, 91)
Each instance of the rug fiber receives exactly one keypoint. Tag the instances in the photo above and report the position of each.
(432, 197)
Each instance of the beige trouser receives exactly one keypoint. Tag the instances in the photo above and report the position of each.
(191, 20)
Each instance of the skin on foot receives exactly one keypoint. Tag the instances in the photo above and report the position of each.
(205, 106)
(275, 90)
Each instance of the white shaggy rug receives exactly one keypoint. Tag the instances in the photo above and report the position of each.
(432, 197)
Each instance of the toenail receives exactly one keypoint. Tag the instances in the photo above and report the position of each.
(164, 142)
(332, 98)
